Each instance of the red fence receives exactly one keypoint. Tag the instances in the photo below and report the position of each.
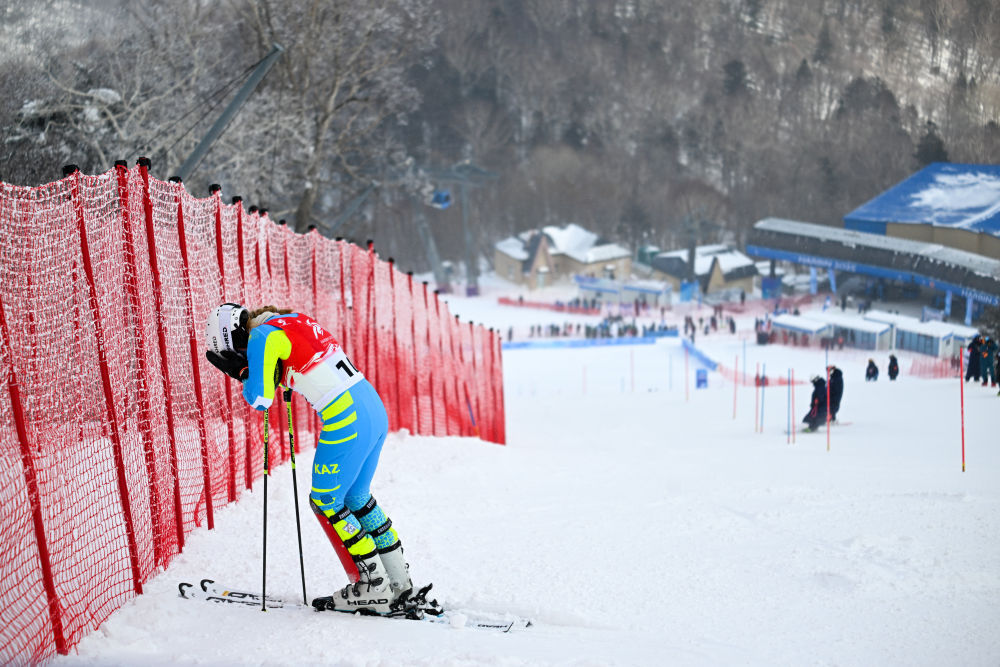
(117, 436)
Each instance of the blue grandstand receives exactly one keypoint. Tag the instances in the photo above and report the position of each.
(956, 196)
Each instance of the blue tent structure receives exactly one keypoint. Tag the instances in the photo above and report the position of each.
(960, 196)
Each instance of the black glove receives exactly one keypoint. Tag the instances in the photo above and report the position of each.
(233, 364)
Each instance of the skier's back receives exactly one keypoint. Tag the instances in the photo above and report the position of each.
(871, 373)
(817, 404)
(270, 347)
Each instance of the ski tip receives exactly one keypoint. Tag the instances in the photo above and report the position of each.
(205, 583)
(182, 588)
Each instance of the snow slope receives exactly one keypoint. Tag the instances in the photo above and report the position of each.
(639, 523)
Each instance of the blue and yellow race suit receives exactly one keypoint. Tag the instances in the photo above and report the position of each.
(354, 422)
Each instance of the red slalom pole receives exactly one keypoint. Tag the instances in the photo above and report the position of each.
(961, 393)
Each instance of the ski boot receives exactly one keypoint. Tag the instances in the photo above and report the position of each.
(371, 594)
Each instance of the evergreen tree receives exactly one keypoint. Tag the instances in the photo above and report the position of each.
(931, 147)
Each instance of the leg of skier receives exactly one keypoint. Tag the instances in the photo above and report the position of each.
(354, 427)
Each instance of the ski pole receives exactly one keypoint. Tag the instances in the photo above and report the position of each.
(263, 586)
(295, 488)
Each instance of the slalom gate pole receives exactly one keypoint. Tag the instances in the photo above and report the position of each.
(263, 586)
(788, 439)
(736, 382)
(295, 489)
(794, 423)
(961, 393)
(828, 407)
(763, 386)
(756, 400)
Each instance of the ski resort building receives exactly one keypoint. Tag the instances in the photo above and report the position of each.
(938, 339)
(536, 258)
(717, 268)
(938, 231)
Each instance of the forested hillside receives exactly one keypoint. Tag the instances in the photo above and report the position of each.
(645, 120)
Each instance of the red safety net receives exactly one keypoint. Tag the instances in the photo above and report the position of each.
(118, 436)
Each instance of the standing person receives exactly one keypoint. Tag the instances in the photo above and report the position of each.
(268, 347)
(836, 390)
(871, 373)
(972, 370)
(817, 405)
(893, 367)
(987, 368)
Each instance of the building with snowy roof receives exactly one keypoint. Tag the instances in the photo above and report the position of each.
(937, 230)
(854, 331)
(536, 258)
(954, 205)
(717, 267)
(792, 329)
(939, 339)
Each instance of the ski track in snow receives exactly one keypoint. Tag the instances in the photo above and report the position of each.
(643, 527)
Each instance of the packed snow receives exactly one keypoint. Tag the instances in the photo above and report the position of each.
(637, 520)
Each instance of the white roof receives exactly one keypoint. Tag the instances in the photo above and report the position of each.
(513, 246)
(933, 328)
(799, 323)
(729, 259)
(601, 253)
(571, 240)
(846, 321)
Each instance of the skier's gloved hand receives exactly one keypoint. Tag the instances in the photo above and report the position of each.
(233, 364)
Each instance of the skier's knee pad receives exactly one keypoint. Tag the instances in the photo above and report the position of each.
(374, 520)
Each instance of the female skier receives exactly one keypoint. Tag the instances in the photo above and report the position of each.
(268, 347)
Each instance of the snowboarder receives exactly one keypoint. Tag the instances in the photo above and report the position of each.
(270, 346)
(893, 367)
(871, 373)
(987, 368)
(972, 371)
(817, 405)
(836, 390)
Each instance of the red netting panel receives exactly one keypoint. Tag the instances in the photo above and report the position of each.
(232, 292)
(479, 382)
(406, 398)
(421, 356)
(176, 320)
(501, 410)
(253, 295)
(466, 386)
(276, 263)
(206, 293)
(26, 632)
(299, 252)
(115, 287)
(449, 370)
(330, 307)
(52, 327)
(361, 303)
(386, 345)
(438, 375)
(145, 327)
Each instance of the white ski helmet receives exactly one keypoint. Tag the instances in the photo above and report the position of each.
(226, 329)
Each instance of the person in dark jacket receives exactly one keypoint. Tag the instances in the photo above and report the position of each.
(893, 367)
(987, 367)
(972, 371)
(871, 373)
(817, 405)
(836, 390)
